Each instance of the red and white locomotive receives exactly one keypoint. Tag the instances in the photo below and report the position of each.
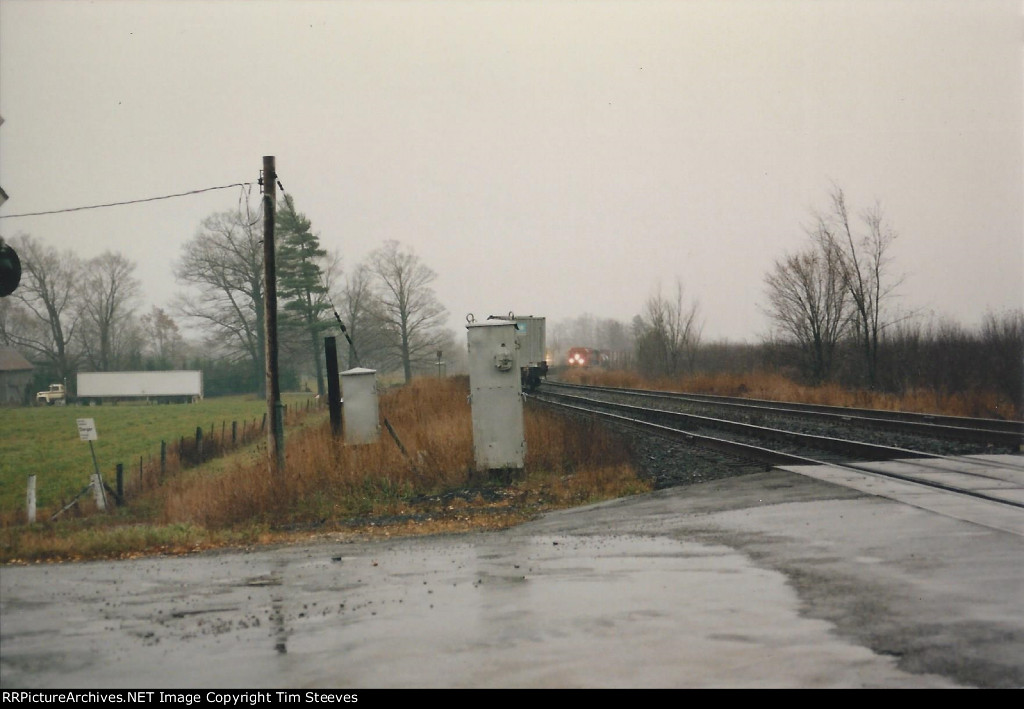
(586, 357)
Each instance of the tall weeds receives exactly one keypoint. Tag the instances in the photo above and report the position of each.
(327, 484)
(777, 387)
(325, 479)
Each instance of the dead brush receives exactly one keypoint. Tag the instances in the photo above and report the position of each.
(327, 480)
(573, 461)
(558, 443)
(328, 485)
(777, 387)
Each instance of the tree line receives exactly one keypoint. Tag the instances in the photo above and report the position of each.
(830, 306)
(832, 315)
(70, 314)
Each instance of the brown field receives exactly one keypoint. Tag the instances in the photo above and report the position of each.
(376, 489)
(329, 487)
(772, 386)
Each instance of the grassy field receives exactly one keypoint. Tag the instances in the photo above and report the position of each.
(329, 488)
(425, 486)
(43, 441)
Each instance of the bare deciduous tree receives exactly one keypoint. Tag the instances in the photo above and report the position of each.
(164, 342)
(365, 335)
(42, 315)
(224, 263)
(109, 296)
(807, 298)
(1003, 340)
(406, 304)
(668, 334)
(866, 270)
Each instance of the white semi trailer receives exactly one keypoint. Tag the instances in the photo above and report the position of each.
(177, 385)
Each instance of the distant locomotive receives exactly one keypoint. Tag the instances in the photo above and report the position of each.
(580, 357)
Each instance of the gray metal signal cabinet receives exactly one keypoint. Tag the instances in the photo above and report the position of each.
(361, 414)
(533, 361)
(495, 395)
(532, 344)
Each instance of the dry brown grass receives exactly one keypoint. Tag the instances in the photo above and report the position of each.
(330, 488)
(328, 482)
(589, 462)
(776, 387)
(375, 490)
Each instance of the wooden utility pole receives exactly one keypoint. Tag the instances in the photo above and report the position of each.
(275, 431)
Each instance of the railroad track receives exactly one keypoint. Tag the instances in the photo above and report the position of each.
(996, 479)
(989, 432)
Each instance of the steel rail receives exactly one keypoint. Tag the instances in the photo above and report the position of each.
(987, 431)
(748, 451)
(871, 451)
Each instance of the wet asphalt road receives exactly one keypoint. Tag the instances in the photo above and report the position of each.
(767, 580)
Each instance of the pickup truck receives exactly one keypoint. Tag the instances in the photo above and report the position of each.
(54, 395)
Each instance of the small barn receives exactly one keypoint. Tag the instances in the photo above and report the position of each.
(15, 377)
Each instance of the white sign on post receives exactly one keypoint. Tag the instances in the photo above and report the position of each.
(87, 430)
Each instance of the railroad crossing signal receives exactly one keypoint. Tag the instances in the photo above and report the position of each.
(10, 269)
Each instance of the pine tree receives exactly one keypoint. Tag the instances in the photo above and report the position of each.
(300, 281)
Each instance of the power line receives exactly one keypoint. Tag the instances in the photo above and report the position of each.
(131, 201)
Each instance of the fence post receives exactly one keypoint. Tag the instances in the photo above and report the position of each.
(97, 491)
(30, 499)
(199, 444)
(163, 458)
(234, 433)
(120, 483)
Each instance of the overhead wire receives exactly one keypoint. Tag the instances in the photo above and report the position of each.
(243, 197)
(129, 201)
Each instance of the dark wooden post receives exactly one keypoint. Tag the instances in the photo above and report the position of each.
(333, 384)
(275, 433)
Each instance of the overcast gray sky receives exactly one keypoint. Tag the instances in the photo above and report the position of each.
(552, 158)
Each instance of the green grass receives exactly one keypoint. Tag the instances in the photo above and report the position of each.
(43, 441)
